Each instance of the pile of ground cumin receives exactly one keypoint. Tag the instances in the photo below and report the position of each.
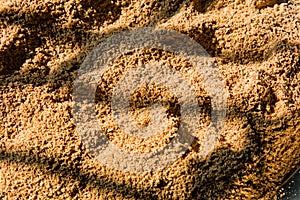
(255, 44)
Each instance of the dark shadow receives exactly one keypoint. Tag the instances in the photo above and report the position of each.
(291, 187)
(205, 35)
(248, 54)
(202, 5)
(55, 165)
(14, 55)
(224, 166)
(264, 4)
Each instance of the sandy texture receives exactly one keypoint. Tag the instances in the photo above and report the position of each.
(255, 45)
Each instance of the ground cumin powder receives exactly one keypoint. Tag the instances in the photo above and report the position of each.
(254, 44)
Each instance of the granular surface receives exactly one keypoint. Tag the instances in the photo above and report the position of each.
(255, 44)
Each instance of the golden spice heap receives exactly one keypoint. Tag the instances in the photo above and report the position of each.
(255, 46)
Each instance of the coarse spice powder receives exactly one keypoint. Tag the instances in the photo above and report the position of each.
(255, 44)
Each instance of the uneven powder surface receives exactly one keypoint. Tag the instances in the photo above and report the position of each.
(255, 45)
